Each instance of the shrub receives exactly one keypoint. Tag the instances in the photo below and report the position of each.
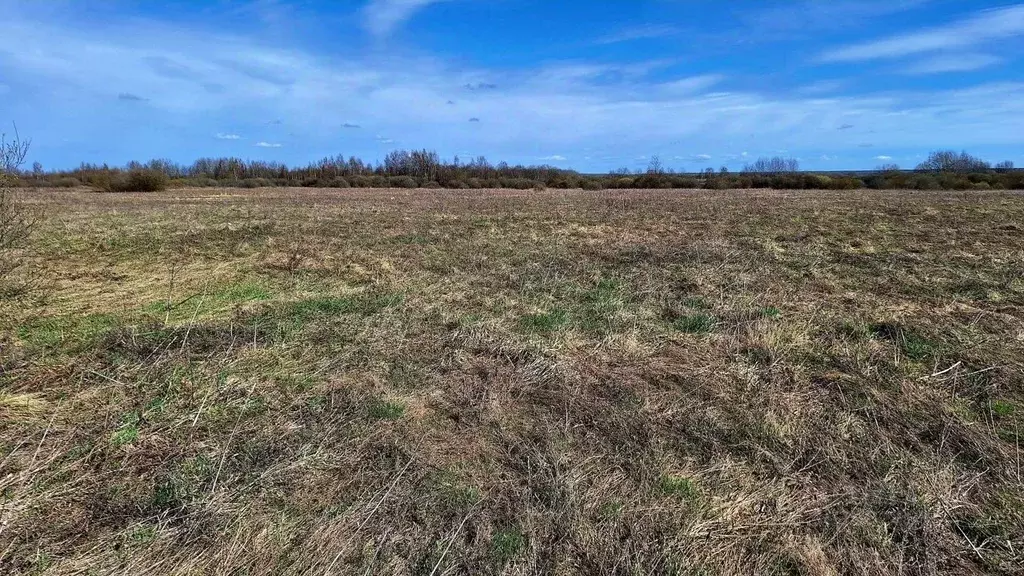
(591, 184)
(402, 182)
(256, 183)
(338, 182)
(140, 180)
(67, 182)
(432, 185)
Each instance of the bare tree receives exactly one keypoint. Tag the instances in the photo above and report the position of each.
(1004, 166)
(950, 161)
(15, 223)
(774, 165)
(655, 166)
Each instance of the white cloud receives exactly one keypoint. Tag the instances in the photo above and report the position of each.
(639, 33)
(982, 27)
(555, 158)
(953, 63)
(268, 145)
(382, 17)
(883, 158)
(828, 158)
(193, 76)
(223, 136)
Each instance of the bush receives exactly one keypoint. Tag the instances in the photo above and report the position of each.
(67, 182)
(256, 183)
(140, 180)
(591, 184)
(338, 183)
(432, 185)
(402, 182)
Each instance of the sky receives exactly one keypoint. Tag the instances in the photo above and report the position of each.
(592, 85)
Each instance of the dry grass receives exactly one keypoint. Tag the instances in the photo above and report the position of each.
(443, 382)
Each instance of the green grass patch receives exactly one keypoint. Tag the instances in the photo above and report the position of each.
(507, 544)
(70, 333)
(696, 303)
(544, 322)
(678, 487)
(913, 345)
(385, 410)
(600, 306)
(128, 431)
(769, 312)
(1002, 408)
(245, 292)
(695, 323)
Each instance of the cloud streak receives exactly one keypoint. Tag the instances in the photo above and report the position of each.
(648, 32)
(383, 17)
(982, 27)
(570, 107)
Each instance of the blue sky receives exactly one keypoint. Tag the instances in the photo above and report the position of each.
(587, 84)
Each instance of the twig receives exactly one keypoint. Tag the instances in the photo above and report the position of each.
(953, 367)
(452, 541)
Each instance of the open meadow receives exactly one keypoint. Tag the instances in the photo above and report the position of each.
(312, 381)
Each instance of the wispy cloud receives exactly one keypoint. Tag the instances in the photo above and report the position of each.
(694, 157)
(795, 16)
(845, 127)
(223, 136)
(980, 28)
(554, 158)
(639, 33)
(564, 106)
(883, 158)
(129, 97)
(953, 63)
(350, 125)
(382, 17)
(268, 145)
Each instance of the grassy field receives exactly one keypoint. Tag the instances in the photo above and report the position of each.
(292, 381)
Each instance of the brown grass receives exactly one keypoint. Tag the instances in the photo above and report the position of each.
(355, 381)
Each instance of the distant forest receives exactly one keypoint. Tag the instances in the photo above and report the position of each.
(943, 170)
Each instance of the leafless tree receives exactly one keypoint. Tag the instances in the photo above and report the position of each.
(950, 161)
(774, 165)
(15, 223)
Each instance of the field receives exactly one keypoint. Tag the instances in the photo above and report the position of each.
(297, 381)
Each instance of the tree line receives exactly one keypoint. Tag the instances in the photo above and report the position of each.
(423, 168)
